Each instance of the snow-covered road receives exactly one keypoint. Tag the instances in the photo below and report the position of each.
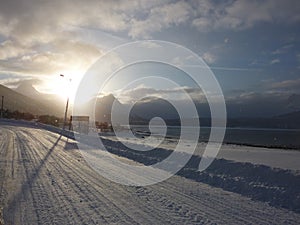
(45, 180)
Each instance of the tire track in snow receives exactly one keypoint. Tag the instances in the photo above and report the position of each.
(37, 155)
(80, 175)
(64, 179)
(79, 190)
(235, 212)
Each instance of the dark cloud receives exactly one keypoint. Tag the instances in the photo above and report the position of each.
(266, 104)
(27, 82)
(288, 85)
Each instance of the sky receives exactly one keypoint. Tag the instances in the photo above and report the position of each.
(252, 47)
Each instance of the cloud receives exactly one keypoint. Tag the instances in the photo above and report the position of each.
(288, 85)
(64, 55)
(177, 93)
(43, 38)
(30, 22)
(209, 57)
(34, 21)
(202, 24)
(275, 61)
(243, 14)
(159, 18)
(9, 49)
(282, 49)
(30, 81)
(48, 20)
(12, 81)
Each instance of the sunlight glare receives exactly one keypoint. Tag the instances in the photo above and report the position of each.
(66, 86)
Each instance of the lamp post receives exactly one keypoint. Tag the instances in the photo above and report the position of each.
(67, 105)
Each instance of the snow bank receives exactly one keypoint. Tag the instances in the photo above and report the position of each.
(278, 187)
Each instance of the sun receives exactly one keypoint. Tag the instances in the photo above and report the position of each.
(65, 85)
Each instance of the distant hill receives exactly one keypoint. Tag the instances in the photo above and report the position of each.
(27, 89)
(148, 108)
(15, 101)
(293, 116)
(291, 120)
(104, 106)
(56, 102)
(155, 107)
(293, 102)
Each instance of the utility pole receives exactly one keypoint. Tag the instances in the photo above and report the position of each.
(67, 105)
(2, 106)
(66, 113)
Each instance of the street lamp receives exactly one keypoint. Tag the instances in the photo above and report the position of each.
(67, 105)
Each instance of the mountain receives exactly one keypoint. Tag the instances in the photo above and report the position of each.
(293, 102)
(146, 109)
(104, 106)
(27, 89)
(15, 101)
(290, 120)
(100, 106)
(56, 103)
(141, 112)
(154, 107)
(295, 116)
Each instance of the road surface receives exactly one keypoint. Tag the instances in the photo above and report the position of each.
(45, 180)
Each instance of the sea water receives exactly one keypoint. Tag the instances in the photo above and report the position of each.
(281, 138)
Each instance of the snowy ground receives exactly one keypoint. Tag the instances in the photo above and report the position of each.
(45, 180)
(276, 158)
